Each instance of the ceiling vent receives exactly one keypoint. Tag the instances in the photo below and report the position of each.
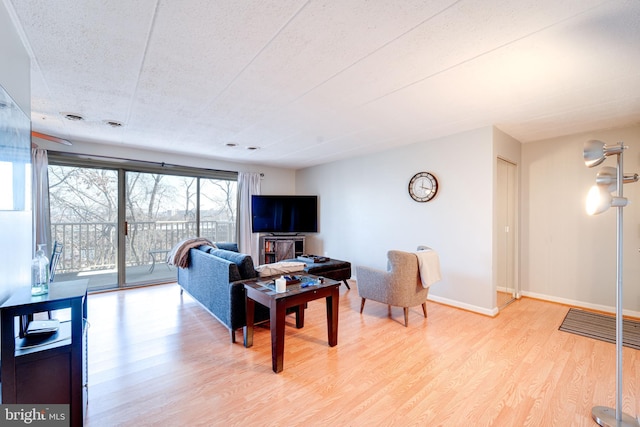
(73, 117)
(113, 123)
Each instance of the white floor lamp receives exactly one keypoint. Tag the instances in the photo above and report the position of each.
(598, 201)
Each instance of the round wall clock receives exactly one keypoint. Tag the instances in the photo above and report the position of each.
(423, 187)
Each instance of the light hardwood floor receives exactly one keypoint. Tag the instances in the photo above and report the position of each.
(157, 358)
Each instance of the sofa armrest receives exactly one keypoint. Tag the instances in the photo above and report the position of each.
(207, 280)
(214, 282)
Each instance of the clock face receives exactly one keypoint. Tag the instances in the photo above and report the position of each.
(423, 187)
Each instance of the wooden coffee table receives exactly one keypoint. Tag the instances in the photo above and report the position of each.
(297, 295)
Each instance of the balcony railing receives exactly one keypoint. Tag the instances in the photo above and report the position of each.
(93, 246)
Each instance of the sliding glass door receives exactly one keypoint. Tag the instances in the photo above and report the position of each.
(160, 212)
(84, 216)
(118, 225)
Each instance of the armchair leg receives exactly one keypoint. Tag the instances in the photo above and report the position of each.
(362, 305)
(406, 316)
(424, 308)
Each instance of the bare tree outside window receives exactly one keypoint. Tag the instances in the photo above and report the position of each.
(218, 209)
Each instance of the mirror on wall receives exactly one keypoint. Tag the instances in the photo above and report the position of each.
(15, 156)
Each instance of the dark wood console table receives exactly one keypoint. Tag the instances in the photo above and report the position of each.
(278, 303)
(46, 369)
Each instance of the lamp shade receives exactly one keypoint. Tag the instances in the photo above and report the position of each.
(598, 200)
(595, 152)
(607, 177)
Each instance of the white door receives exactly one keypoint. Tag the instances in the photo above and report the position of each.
(506, 232)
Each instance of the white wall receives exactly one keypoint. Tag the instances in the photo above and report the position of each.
(565, 255)
(365, 210)
(15, 227)
(568, 256)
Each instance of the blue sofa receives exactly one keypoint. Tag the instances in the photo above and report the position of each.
(215, 277)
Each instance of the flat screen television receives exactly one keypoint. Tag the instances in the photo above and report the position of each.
(284, 214)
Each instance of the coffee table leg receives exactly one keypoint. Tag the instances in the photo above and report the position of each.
(300, 316)
(277, 315)
(332, 317)
(248, 329)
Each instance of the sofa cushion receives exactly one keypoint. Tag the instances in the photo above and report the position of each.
(243, 261)
(207, 248)
(227, 246)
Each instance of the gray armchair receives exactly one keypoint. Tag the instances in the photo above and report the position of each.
(400, 286)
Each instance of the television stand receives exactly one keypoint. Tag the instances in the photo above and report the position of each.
(274, 248)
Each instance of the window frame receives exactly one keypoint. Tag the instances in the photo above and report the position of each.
(122, 166)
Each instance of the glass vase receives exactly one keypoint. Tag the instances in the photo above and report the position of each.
(40, 272)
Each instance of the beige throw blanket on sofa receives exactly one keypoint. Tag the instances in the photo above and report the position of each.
(179, 254)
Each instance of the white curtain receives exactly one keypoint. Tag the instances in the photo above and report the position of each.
(41, 215)
(248, 185)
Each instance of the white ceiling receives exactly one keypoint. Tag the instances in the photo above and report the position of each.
(310, 82)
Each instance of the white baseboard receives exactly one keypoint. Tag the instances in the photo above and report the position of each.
(468, 307)
(565, 301)
(580, 304)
